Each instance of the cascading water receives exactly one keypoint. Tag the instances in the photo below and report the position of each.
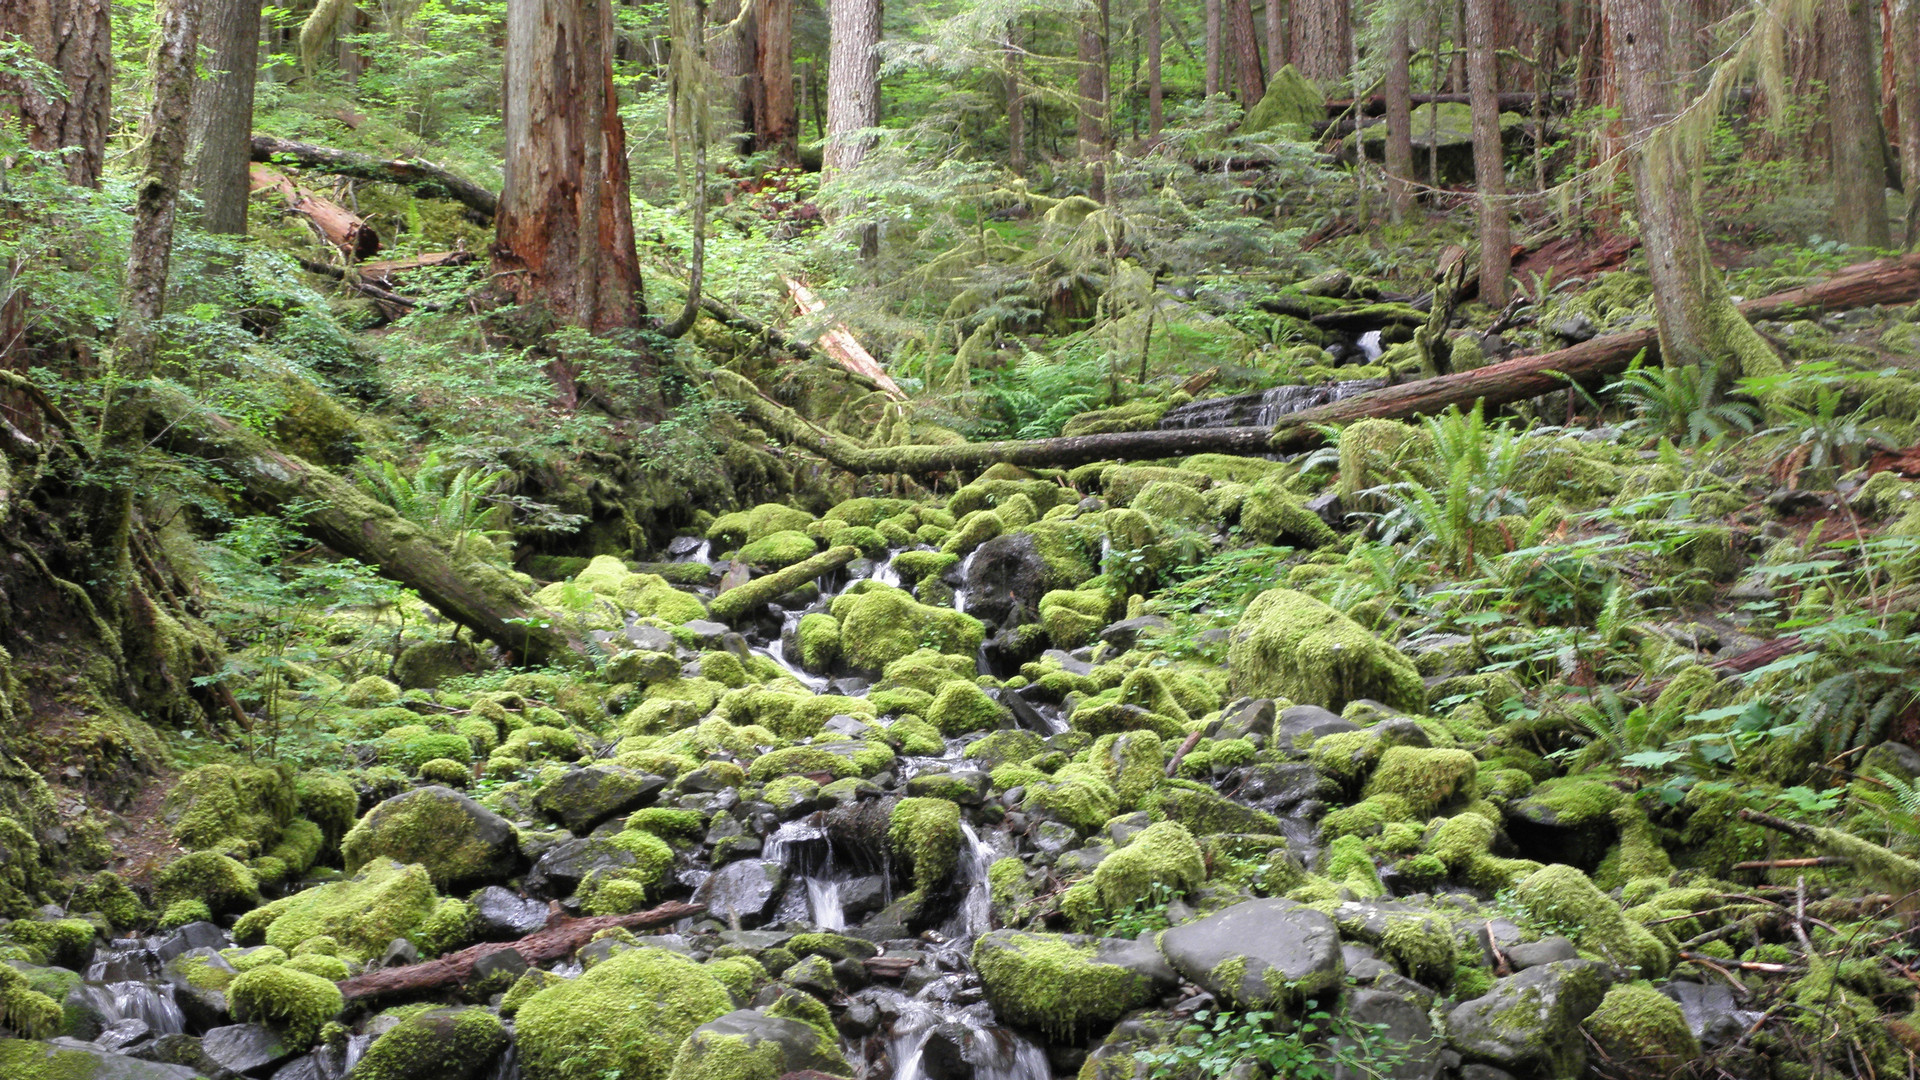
(776, 651)
(806, 852)
(123, 984)
(929, 1026)
(884, 573)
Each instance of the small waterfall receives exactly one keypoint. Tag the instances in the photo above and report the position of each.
(505, 1067)
(885, 574)
(1369, 345)
(776, 651)
(823, 902)
(994, 1053)
(1262, 408)
(807, 853)
(356, 1046)
(123, 984)
(960, 594)
(975, 916)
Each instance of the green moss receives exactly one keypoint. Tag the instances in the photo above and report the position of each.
(1072, 617)
(1138, 415)
(26, 1011)
(746, 526)
(221, 883)
(1292, 104)
(1076, 795)
(293, 1001)
(1001, 747)
(1350, 866)
(412, 746)
(385, 900)
(914, 736)
(1639, 1025)
(107, 894)
(370, 691)
(799, 761)
(1427, 779)
(915, 566)
(1422, 948)
(925, 670)
(434, 1042)
(1371, 452)
(429, 826)
(1134, 763)
(1271, 514)
(776, 550)
(818, 641)
(961, 707)
(181, 912)
(1056, 983)
(925, 835)
(330, 968)
(239, 809)
(623, 1017)
(880, 624)
(1566, 901)
(445, 771)
(1289, 645)
(1164, 854)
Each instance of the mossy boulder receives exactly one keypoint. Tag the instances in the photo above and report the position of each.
(1259, 954)
(222, 884)
(1164, 854)
(746, 526)
(1642, 1030)
(625, 1016)
(293, 1002)
(1067, 984)
(1428, 779)
(363, 914)
(1272, 514)
(443, 1044)
(236, 809)
(924, 834)
(961, 707)
(1287, 644)
(880, 624)
(1562, 898)
(1292, 107)
(459, 842)
(749, 1045)
(1529, 1024)
(776, 550)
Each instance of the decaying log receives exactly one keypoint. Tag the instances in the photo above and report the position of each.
(1885, 281)
(839, 343)
(339, 226)
(553, 943)
(386, 268)
(470, 591)
(425, 178)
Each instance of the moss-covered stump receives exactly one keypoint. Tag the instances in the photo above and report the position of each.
(1066, 985)
(1287, 644)
(461, 843)
(625, 1016)
(444, 1044)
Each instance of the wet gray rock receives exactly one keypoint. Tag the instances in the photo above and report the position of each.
(502, 913)
(1069, 663)
(800, 1046)
(1290, 953)
(400, 953)
(1529, 1023)
(1301, 724)
(1403, 1034)
(744, 892)
(560, 870)
(863, 896)
(73, 1058)
(1125, 634)
(1573, 329)
(118, 1036)
(1401, 731)
(1278, 786)
(252, 1049)
(1713, 1014)
(201, 1007)
(706, 632)
(1545, 951)
(1005, 579)
(194, 935)
(583, 798)
(1246, 717)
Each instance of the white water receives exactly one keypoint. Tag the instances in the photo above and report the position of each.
(885, 574)
(823, 904)
(776, 651)
(960, 594)
(994, 1052)
(1370, 345)
(149, 1003)
(976, 910)
(790, 846)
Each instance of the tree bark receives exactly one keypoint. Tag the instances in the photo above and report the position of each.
(1399, 109)
(687, 19)
(1247, 76)
(1156, 106)
(423, 177)
(1276, 35)
(1213, 47)
(1322, 39)
(1091, 57)
(730, 53)
(1489, 156)
(554, 943)
(777, 123)
(1886, 281)
(853, 82)
(1857, 145)
(73, 38)
(1697, 319)
(1903, 50)
(564, 230)
(221, 121)
(1017, 100)
(473, 593)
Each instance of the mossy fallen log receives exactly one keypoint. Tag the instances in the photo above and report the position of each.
(424, 177)
(741, 599)
(470, 591)
(1885, 281)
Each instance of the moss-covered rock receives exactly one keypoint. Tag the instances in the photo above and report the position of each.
(1066, 984)
(1428, 779)
(626, 1015)
(219, 882)
(1565, 901)
(1272, 514)
(26, 1011)
(746, 526)
(961, 707)
(235, 809)
(1075, 795)
(1292, 107)
(880, 624)
(460, 842)
(924, 834)
(445, 1044)
(293, 1002)
(1643, 1031)
(1164, 854)
(385, 900)
(1287, 644)
(776, 550)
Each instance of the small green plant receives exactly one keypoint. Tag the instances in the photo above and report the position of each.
(453, 502)
(1318, 1046)
(1145, 914)
(1682, 403)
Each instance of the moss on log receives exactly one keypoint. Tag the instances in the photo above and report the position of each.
(741, 599)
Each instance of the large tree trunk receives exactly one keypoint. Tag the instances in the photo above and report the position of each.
(564, 236)
(1156, 107)
(1857, 145)
(1247, 76)
(1697, 319)
(1399, 108)
(777, 120)
(1903, 54)
(1887, 281)
(1091, 54)
(221, 122)
(853, 82)
(730, 53)
(469, 591)
(1213, 47)
(1017, 100)
(1322, 39)
(73, 38)
(1277, 58)
(1489, 157)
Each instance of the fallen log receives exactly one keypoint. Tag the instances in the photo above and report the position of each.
(470, 591)
(1377, 104)
(424, 177)
(336, 224)
(1884, 281)
(839, 343)
(556, 942)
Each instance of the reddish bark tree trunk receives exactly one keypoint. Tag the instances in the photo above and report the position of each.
(777, 119)
(1489, 157)
(1247, 76)
(1322, 39)
(1856, 144)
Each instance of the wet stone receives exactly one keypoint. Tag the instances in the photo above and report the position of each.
(743, 892)
(1545, 951)
(246, 1048)
(502, 913)
(1303, 723)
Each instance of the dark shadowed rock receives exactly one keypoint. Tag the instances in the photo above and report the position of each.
(1259, 953)
(247, 1048)
(1006, 577)
(586, 797)
(1529, 1024)
(743, 892)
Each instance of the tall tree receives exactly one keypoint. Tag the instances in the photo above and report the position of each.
(1091, 56)
(1213, 47)
(776, 125)
(73, 39)
(1399, 95)
(1696, 317)
(1489, 157)
(1322, 39)
(1247, 76)
(563, 237)
(1156, 90)
(1016, 100)
(221, 123)
(1276, 11)
(853, 81)
(1903, 56)
(1856, 142)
